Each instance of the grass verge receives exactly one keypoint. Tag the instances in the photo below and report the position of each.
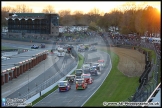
(56, 87)
(116, 87)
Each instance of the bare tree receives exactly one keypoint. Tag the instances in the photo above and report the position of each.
(48, 9)
(94, 14)
(66, 18)
(22, 9)
(63, 13)
(78, 17)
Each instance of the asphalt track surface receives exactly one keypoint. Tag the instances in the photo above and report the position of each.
(25, 46)
(53, 70)
(75, 97)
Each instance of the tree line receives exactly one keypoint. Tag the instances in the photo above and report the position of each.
(128, 19)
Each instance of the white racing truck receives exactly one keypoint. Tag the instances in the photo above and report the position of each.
(61, 52)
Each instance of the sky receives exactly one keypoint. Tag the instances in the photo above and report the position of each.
(85, 6)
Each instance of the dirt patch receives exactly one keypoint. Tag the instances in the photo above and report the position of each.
(131, 62)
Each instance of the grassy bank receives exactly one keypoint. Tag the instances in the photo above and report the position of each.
(117, 87)
(56, 87)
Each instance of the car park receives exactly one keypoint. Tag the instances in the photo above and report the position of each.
(81, 84)
(34, 47)
(88, 79)
(71, 78)
(64, 86)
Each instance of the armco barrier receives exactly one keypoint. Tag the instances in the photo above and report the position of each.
(49, 88)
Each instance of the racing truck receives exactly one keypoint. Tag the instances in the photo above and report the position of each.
(93, 70)
(97, 65)
(93, 48)
(87, 46)
(101, 63)
(78, 72)
(34, 47)
(64, 86)
(88, 79)
(61, 52)
(81, 84)
(86, 68)
(71, 78)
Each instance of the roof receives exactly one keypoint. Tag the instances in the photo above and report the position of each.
(28, 14)
(31, 14)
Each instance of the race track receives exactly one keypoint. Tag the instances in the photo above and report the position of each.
(78, 97)
(52, 71)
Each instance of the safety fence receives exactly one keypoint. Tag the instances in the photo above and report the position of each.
(51, 80)
(150, 77)
(148, 80)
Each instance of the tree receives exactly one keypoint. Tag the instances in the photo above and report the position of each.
(94, 14)
(115, 18)
(152, 18)
(93, 26)
(22, 9)
(66, 18)
(48, 9)
(78, 17)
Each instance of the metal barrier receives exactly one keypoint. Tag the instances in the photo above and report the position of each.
(56, 77)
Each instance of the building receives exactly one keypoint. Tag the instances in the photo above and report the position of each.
(33, 24)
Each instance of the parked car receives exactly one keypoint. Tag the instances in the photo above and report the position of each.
(64, 86)
(70, 78)
(34, 47)
(81, 84)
